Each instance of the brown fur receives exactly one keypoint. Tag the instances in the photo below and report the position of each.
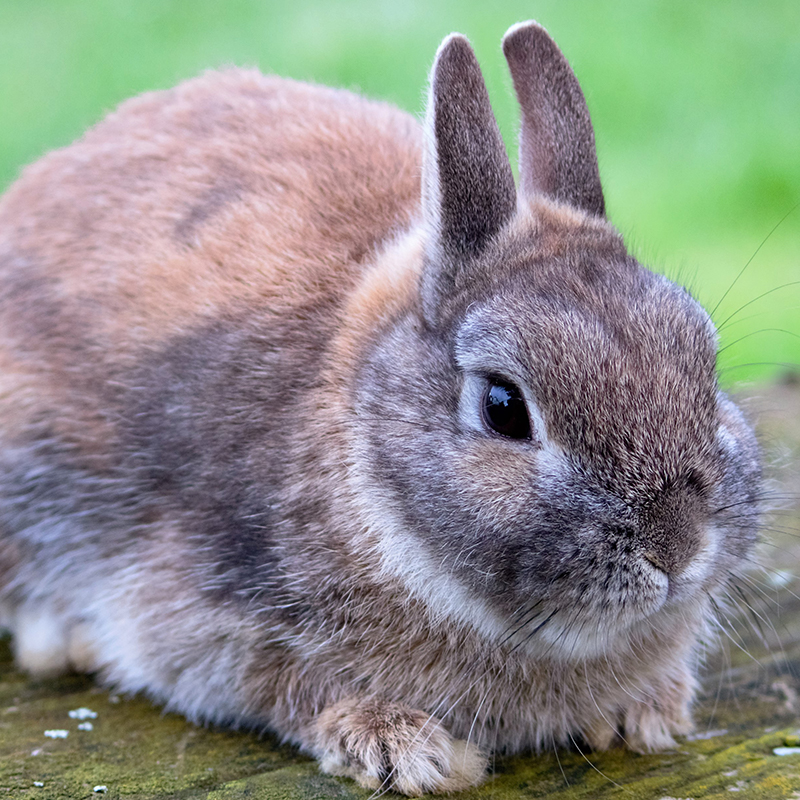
(244, 331)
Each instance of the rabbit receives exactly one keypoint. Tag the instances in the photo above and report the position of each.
(314, 423)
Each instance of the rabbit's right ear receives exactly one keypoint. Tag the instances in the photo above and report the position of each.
(557, 155)
(468, 186)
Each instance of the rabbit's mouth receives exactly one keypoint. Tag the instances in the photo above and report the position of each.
(597, 623)
(588, 620)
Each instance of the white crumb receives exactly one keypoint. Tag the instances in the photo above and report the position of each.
(82, 713)
(786, 751)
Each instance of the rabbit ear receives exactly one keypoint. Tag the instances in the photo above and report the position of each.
(557, 151)
(468, 185)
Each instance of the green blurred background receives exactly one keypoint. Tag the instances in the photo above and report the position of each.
(696, 108)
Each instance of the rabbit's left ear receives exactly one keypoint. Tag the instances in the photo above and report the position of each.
(557, 156)
(468, 185)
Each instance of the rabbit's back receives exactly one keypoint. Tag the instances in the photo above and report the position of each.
(233, 188)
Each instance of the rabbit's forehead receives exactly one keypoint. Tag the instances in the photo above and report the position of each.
(536, 323)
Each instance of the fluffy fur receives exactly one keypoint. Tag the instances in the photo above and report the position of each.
(246, 331)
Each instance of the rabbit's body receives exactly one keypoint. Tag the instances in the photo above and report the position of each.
(243, 466)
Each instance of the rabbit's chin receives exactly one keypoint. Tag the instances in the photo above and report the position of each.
(588, 633)
(569, 638)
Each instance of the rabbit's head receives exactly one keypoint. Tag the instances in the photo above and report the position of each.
(541, 430)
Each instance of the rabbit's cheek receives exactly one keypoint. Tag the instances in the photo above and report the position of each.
(500, 482)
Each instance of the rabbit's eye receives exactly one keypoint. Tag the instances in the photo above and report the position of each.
(504, 410)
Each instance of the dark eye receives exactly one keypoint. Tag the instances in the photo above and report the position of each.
(504, 410)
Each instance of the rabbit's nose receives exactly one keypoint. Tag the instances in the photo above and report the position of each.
(671, 532)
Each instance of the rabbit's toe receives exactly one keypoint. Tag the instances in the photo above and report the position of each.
(390, 746)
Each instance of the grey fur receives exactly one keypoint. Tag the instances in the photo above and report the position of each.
(468, 183)
(556, 150)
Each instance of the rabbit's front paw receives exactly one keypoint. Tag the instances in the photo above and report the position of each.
(649, 729)
(390, 746)
(651, 724)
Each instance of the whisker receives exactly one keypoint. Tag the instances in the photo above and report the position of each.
(756, 299)
(750, 261)
(754, 333)
(558, 761)
(718, 693)
(752, 613)
(532, 615)
(534, 631)
(789, 364)
(720, 618)
(602, 713)
(595, 768)
(476, 715)
(625, 689)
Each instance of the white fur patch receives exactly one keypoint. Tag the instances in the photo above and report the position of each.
(727, 440)
(403, 557)
(41, 643)
(704, 562)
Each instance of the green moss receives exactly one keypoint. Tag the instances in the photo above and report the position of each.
(139, 752)
(133, 748)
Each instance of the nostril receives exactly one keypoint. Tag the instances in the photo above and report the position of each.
(656, 562)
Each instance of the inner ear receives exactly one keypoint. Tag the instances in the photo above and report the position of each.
(557, 155)
(468, 185)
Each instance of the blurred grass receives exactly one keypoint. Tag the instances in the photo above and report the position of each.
(696, 109)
